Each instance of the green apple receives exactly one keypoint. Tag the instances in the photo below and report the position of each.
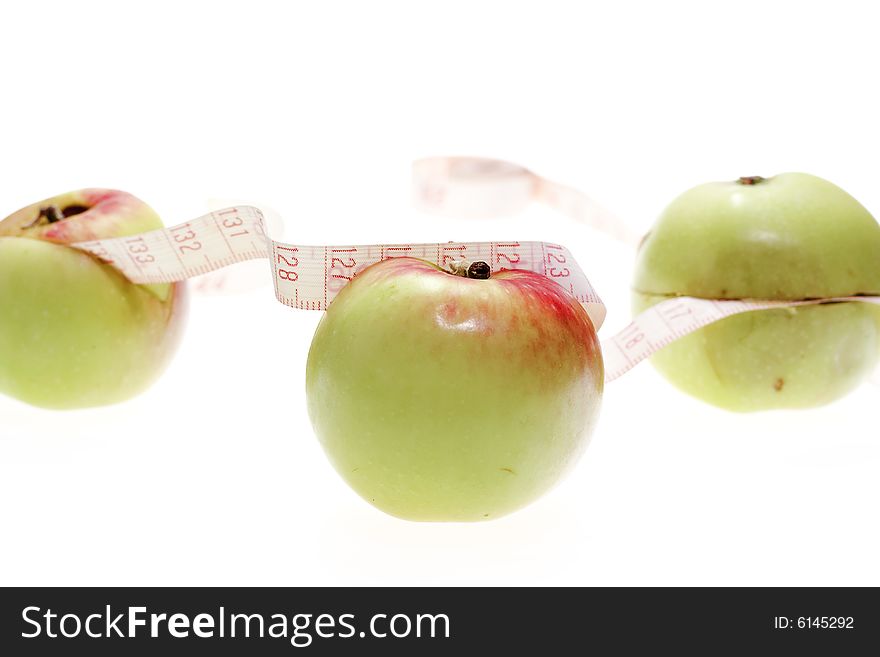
(74, 332)
(790, 237)
(441, 397)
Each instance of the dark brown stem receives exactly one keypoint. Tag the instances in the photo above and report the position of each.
(751, 180)
(479, 270)
(53, 214)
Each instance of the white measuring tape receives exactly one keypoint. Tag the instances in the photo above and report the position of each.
(309, 277)
(674, 318)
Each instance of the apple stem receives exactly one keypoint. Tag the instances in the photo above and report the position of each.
(53, 214)
(478, 269)
(751, 180)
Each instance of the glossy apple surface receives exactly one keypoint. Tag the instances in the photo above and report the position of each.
(790, 237)
(74, 332)
(440, 397)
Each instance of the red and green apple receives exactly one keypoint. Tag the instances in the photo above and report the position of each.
(74, 332)
(443, 397)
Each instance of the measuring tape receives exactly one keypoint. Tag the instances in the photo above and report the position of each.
(309, 277)
(674, 318)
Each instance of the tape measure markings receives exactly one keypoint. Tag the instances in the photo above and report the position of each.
(309, 277)
(657, 327)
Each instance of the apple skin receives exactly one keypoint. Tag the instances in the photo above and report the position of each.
(790, 237)
(74, 332)
(443, 398)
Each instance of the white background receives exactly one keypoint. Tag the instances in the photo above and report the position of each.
(316, 110)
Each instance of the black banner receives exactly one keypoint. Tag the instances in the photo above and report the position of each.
(277, 621)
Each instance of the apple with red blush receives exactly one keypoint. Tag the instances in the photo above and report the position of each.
(74, 332)
(445, 397)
